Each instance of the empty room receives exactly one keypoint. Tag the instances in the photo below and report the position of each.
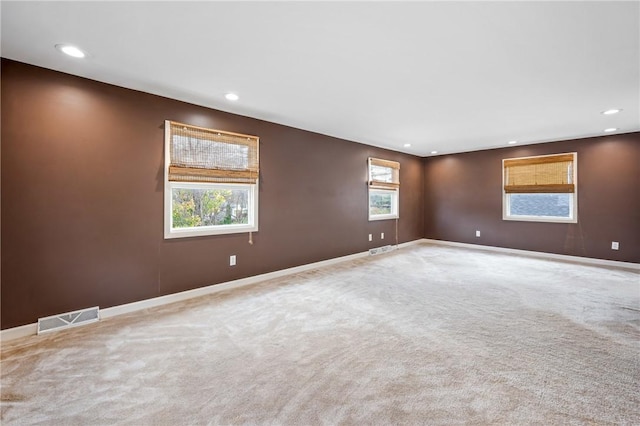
(336, 213)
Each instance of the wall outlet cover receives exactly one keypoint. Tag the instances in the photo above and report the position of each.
(615, 245)
(477, 233)
(232, 260)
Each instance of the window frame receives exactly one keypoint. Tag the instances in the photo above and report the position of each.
(201, 231)
(395, 204)
(573, 199)
(384, 187)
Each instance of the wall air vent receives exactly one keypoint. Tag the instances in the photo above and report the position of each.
(68, 320)
(379, 250)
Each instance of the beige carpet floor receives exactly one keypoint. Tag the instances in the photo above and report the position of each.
(423, 335)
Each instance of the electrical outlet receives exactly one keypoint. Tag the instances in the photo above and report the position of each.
(232, 260)
(615, 245)
(382, 235)
(477, 233)
(370, 237)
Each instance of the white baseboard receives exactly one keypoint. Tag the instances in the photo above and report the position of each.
(32, 329)
(17, 332)
(564, 257)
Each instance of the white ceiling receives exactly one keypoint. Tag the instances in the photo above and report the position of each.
(445, 76)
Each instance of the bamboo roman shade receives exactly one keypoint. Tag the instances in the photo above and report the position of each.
(197, 154)
(544, 174)
(384, 174)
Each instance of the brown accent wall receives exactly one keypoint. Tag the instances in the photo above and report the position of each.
(463, 193)
(82, 198)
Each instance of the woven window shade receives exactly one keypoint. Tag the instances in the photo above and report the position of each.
(384, 174)
(206, 155)
(544, 174)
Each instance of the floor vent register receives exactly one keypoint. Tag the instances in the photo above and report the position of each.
(68, 320)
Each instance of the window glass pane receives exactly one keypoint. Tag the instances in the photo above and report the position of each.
(209, 207)
(547, 205)
(381, 174)
(380, 203)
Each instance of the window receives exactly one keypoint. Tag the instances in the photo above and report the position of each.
(540, 189)
(384, 189)
(211, 181)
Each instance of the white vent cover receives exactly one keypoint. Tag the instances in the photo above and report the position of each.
(68, 320)
(379, 250)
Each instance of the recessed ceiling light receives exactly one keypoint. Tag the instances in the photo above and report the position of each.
(407, 145)
(70, 50)
(232, 97)
(610, 129)
(434, 152)
(512, 142)
(611, 111)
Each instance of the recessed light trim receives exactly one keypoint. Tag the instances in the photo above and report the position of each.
(512, 142)
(611, 111)
(407, 145)
(434, 152)
(232, 97)
(71, 50)
(611, 129)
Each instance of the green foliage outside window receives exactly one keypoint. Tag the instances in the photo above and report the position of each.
(200, 207)
(380, 204)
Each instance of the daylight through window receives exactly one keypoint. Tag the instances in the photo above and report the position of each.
(541, 188)
(211, 180)
(384, 189)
